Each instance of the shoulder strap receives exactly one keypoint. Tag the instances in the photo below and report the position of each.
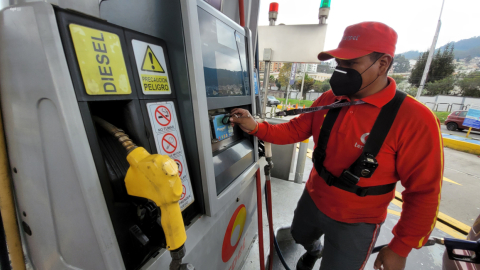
(383, 124)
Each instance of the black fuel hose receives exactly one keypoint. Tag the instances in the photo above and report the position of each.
(277, 247)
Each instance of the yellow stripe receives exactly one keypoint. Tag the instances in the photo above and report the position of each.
(420, 243)
(451, 181)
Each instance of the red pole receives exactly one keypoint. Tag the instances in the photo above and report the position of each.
(270, 221)
(260, 220)
(242, 13)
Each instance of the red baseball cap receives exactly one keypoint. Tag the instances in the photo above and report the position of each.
(362, 39)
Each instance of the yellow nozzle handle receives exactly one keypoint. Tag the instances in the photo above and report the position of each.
(155, 177)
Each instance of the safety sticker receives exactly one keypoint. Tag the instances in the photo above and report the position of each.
(180, 167)
(101, 61)
(152, 68)
(169, 143)
(164, 122)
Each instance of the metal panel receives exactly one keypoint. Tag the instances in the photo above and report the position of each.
(225, 102)
(90, 7)
(288, 42)
(46, 139)
(162, 19)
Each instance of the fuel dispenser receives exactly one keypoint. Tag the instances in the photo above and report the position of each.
(167, 73)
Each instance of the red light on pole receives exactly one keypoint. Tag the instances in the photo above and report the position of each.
(272, 13)
(273, 7)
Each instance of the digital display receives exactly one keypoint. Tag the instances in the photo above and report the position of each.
(224, 58)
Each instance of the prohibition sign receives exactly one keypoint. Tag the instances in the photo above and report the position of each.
(180, 167)
(184, 192)
(169, 143)
(163, 115)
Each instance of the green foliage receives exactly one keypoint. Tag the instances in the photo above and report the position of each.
(278, 84)
(270, 81)
(284, 75)
(300, 103)
(470, 84)
(400, 64)
(398, 78)
(321, 87)
(442, 116)
(307, 85)
(440, 87)
(442, 66)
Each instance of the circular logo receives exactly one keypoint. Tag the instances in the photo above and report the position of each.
(234, 232)
(364, 138)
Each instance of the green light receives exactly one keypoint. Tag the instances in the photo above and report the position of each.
(325, 4)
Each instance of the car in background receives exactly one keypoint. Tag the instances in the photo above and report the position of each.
(271, 100)
(454, 121)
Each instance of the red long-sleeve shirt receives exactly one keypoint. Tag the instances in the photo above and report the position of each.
(412, 153)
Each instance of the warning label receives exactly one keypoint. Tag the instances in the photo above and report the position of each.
(163, 119)
(101, 61)
(151, 66)
(150, 62)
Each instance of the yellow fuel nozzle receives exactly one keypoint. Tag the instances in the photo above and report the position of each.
(155, 177)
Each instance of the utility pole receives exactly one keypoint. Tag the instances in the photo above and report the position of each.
(303, 80)
(430, 55)
(291, 81)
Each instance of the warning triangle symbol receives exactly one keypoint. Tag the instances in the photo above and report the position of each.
(151, 63)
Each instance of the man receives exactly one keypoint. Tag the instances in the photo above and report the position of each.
(412, 152)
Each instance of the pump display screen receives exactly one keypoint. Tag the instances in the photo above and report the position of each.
(220, 130)
(224, 58)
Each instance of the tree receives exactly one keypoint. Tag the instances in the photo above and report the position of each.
(398, 78)
(441, 67)
(440, 87)
(321, 87)
(307, 85)
(272, 80)
(284, 75)
(470, 84)
(468, 59)
(400, 64)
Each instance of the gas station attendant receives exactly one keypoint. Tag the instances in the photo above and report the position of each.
(350, 187)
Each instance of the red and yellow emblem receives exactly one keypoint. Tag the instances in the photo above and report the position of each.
(234, 232)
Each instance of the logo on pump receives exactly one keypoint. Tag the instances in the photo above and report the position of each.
(234, 232)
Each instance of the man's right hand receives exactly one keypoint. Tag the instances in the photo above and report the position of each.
(243, 119)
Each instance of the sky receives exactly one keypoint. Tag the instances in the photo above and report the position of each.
(415, 23)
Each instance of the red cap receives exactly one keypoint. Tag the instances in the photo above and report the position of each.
(273, 7)
(362, 39)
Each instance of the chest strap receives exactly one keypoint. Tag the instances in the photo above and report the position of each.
(366, 164)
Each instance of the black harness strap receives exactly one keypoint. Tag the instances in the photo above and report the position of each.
(347, 180)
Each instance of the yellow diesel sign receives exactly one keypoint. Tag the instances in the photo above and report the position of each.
(101, 61)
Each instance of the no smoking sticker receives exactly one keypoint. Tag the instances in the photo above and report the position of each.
(184, 192)
(169, 143)
(180, 167)
(163, 116)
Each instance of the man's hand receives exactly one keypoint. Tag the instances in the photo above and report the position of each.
(389, 260)
(243, 119)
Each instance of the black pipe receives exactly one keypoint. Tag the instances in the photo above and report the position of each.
(4, 260)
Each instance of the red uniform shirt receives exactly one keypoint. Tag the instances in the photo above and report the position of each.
(412, 153)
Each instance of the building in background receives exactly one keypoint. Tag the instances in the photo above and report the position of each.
(274, 66)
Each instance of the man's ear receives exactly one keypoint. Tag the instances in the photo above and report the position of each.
(385, 61)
